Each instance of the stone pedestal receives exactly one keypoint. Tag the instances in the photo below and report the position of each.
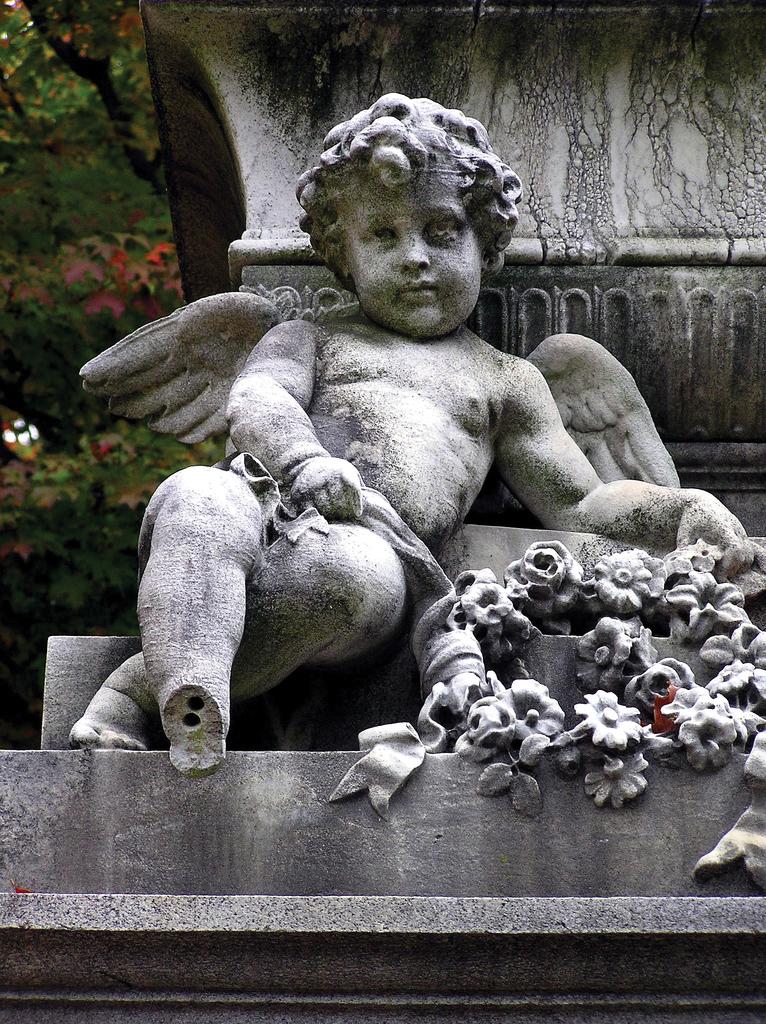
(115, 821)
(344, 960)
(281, 906)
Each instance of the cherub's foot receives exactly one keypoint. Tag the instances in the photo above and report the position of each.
(91, 734)
(113, 721)
(196, 726)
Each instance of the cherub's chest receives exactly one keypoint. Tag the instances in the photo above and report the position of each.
(347, 361)
(412, 381)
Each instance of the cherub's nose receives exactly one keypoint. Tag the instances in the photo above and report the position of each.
(415, 254)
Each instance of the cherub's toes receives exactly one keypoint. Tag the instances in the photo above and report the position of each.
(727, 852)
(91, 736)
(112, 740)
(84, 735)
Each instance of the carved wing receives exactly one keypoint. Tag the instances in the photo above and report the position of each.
(179, 370)
(603, 410)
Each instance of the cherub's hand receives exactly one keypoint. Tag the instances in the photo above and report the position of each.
(460, 692)
(705, 518)
(332, 486)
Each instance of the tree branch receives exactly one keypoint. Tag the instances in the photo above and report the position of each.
(10, 95)
(96, 70)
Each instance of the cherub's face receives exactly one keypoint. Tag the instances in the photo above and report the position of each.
(413, 254)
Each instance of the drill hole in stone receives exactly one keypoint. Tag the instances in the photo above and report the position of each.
(191, 720)
(195, 703)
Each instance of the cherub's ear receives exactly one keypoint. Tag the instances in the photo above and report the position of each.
(491, 262)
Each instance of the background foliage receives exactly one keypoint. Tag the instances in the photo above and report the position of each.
(85, 258)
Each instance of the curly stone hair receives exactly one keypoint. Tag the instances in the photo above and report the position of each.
(396, 138)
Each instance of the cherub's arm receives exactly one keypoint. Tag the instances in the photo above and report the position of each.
(548, 473)
(267, 417)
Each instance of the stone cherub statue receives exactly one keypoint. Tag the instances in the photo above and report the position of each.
(358, 444)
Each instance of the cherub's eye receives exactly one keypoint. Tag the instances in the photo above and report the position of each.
(445, 229)
(385, 234)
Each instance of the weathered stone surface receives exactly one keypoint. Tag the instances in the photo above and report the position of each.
(74, 670)
(123, 821)
(636, 128)
(119, 820)
(160, 959)
(360, 445)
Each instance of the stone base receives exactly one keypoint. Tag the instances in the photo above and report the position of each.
(340, 960)
(122, 821)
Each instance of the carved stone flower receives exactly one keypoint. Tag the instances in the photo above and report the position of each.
(607, 723)
(707, 726)
(686, 702)
(747, 643)
(485, 608)
(642, 690)
(703, 607)
(481, 600)
(708, 737)
(609, 656)
(552, 580)
(537, 713)
(519, 720)
(699, 557)
(742, 684)
(619, 779)
(746, 722)
(491, 729)
(629, 582)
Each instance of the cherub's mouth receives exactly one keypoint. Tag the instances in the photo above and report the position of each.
(419, 288)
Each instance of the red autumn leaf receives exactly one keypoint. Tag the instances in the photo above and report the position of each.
(19, 888)
(118, 258)
(16, 547)
(156, 254)
(101, 449)
(30, 291)
(101, 300)
(663, 724)
(81, 268)
(137, 274)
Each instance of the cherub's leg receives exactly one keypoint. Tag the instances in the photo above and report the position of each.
(119, 716)
(328, 599)
(200, 539)
(203, 530)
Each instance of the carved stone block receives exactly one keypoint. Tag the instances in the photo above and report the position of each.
(636, 128)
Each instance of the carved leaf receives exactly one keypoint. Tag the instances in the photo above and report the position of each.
(532, 749)
(526, 796)
(496, 780)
